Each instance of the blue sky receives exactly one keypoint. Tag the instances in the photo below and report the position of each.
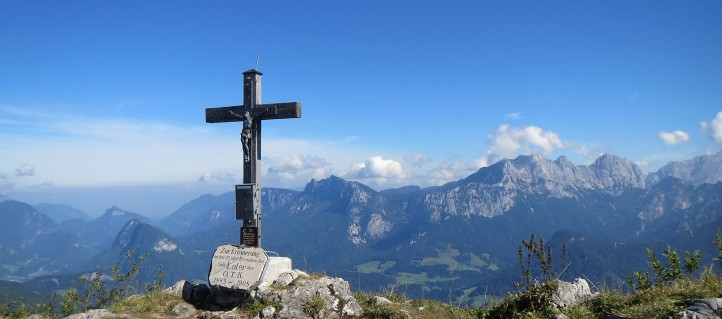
(108, 98)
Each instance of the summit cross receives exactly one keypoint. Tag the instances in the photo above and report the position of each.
(251, 113)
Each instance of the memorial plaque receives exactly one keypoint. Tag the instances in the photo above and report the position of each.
(237, 268)
(249, 236)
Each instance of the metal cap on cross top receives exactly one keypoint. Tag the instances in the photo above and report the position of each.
(251, 113)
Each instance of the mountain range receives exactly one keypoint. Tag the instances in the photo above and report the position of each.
(460, 238)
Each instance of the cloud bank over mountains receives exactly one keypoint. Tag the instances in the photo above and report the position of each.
(66, 151)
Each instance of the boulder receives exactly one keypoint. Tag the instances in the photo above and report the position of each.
(381, 300)
(195, 294)
(572, 293)
(703, 309)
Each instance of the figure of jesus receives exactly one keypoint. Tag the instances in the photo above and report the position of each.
(246, 136)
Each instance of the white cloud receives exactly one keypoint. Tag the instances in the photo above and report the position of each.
(482, 162)
(379, 171)
(296, 169)
(75, 151)
(417, 159)
(452, 170)
(513, 115)
(714, 128)
(209, 177)
(673, 138)
(641, 163)
(25, 170)
(508, 141)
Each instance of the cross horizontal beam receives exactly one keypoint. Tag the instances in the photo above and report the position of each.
(260, 112)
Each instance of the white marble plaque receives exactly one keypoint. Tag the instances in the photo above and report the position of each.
(237, 268)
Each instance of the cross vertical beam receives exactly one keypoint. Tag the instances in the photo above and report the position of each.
(251, 113)
(251, 127)
(250, 140)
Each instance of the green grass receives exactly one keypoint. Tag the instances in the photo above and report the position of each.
(375, 266)
(447, 257)
(418, 309)
(404, 278)
(455, 261)
(147, 306)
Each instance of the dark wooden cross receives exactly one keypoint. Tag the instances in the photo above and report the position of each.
(251, 113)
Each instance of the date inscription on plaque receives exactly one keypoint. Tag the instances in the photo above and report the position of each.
(237, 268)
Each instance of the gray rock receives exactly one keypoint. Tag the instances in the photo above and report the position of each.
(98, 314)
(381, 300)
(572, 293)
(183, 310)
(178, 288)
(287, 277)
(268, 312)
(219, 315)
(315, 298)
(703, 309)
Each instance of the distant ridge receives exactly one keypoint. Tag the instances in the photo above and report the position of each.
(61, 212)
(705, 169)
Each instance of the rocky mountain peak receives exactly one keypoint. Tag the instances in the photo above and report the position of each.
(609, 173)
(331, 183)
(142, 237)
(335, 187)
(496, 189)
(705, 169)
(616, 173)
(114, 213)
(361, 207)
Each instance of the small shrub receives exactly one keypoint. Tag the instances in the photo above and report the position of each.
(536, 301)
(691, 263)
(542, 253)
(95, 294)
(314, 305)
(664, 274)
(607, 303)
(579, 312)
(383, 312)
(15, 310)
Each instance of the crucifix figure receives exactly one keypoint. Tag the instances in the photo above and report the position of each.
(251, 113)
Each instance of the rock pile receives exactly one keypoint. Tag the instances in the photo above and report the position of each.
(293, 295)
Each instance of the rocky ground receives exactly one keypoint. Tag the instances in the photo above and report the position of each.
(299, 296)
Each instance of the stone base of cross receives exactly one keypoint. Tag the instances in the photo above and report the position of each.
(245, 266)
